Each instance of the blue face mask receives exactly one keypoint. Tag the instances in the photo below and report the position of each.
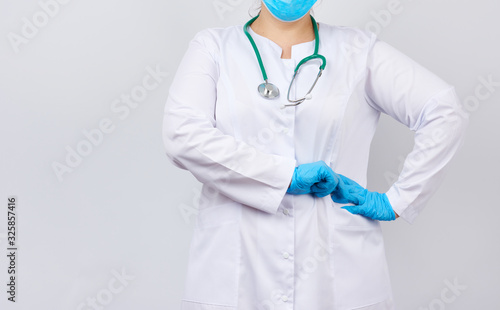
(289, 10)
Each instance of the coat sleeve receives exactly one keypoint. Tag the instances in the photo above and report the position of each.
(194, 143)
(414, 96)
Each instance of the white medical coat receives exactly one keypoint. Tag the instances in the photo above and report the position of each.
(256, 247)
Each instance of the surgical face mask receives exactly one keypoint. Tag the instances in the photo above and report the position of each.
(289, 10)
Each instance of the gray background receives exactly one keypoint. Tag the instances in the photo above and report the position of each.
(120, 209)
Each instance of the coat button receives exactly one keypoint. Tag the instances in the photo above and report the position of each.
(285, 212)
(286, 255)
(284, 298)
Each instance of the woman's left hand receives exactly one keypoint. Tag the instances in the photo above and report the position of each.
(369, 204)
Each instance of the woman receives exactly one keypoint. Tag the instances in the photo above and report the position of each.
(271, 232)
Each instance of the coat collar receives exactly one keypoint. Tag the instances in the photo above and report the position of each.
(299, 51)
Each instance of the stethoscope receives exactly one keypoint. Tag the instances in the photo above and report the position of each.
(271, 91)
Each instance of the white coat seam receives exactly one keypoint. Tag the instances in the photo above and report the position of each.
(425, 108)
(209, 304)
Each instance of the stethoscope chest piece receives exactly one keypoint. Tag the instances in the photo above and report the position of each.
(269, 90)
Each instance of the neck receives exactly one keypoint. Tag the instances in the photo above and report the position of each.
(283, 33)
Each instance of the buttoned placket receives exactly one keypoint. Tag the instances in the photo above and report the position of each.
(284, 299)
(288, 253)
(298, 52)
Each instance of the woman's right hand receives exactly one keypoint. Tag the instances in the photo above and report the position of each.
(316, 178)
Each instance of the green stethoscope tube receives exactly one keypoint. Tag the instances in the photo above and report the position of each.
(270, 91)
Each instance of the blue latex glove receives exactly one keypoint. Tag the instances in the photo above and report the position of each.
(370, 204)
(316, 178)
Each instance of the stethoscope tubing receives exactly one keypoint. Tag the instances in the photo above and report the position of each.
(315, 55)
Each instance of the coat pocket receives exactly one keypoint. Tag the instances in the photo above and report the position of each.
(218, 215)
(342, 218)
(360, 267)
(213, 266)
